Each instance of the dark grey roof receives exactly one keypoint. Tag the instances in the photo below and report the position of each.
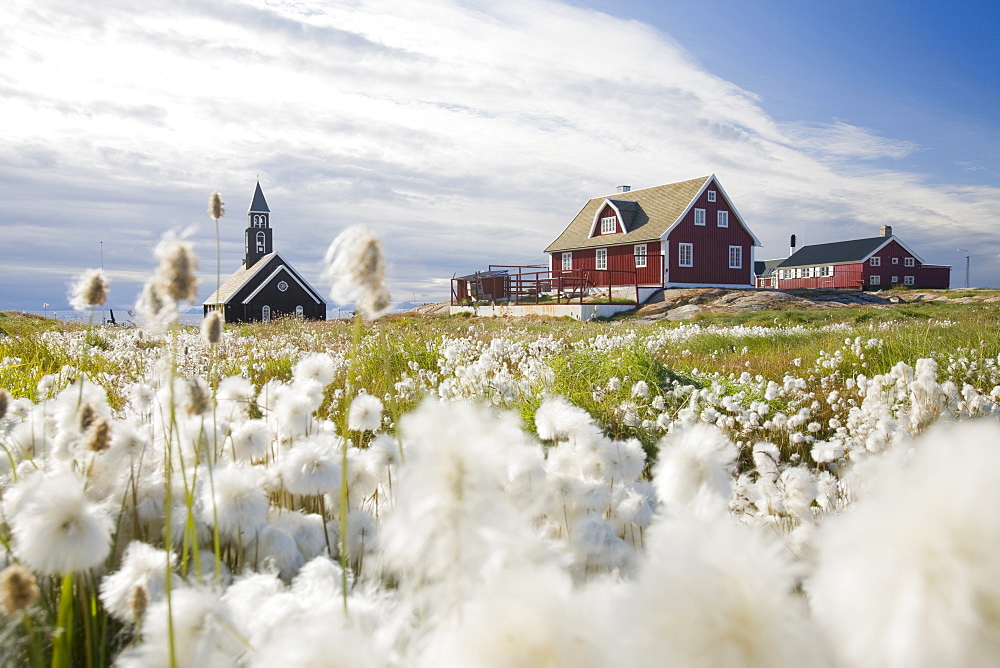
(628, 210)
(764, 268)
(258, 272)
(838, 252)
(259, 204)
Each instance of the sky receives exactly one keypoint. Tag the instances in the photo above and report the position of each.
(465, 133)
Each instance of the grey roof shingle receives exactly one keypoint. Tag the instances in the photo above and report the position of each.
(837, 252)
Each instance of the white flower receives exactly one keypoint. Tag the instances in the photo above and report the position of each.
(90, 290)
(57, 529)
(365, 413)
(355, 268)
(694, 469)
(312, 466)
(143, 567)
(235, 499)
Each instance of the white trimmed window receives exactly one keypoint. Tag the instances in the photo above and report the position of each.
(875, 262)
(265, 313)
(609, 225)
(567, 261)
(260, 242)
(895, 279)
(875, 280)
(895, 260)
(723, 218)
(640, 255)
(300, 312)
(908, 280)
(699, 216)
(909, 262)
(601, 258)
(685, 255)
(736, 257)
(711, 195)
(826, 271)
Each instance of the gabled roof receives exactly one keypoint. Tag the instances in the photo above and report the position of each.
(764, 268)
(648, 215)
(259, 204)
(841, 252)
(246, 275)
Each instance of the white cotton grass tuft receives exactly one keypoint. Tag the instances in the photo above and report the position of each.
(365, 413)
(318, 367)
(56, 528)
(143, 569)
(235, 500)
(202, 633)
(211, 327)
(695, 470)
(356, 271)
(216, 207)
(712, 592)
(559, 420)
(920, 550)
(174, 280)
(451, 486)
(90, 290)
(312, 466)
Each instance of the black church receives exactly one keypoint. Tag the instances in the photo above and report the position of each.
(266, 286)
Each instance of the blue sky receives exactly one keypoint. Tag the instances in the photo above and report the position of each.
(470, 133)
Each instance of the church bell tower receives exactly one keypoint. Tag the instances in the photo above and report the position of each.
(258, 233)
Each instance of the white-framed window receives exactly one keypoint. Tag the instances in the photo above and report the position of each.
(685, 255)
(711, 195)
(260, 242)
(601, 258)
(875, 261)
(300, 312)
(265, 313)
(909, 262)
(609, 225)
(895, 260)
(875, 280)
(736, 257)
(567, 261)
(908, 280)
(723, 218)
(826, 271)
(258, 221)
(640, 255)
(895, 279)
(699, 216)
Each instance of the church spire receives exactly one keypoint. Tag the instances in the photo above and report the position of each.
(258, 232)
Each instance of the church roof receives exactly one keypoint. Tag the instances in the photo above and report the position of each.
(259, 204)
(258, 273)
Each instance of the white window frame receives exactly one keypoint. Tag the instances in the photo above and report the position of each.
(895, 260)
(895, 279)
(300, 312)
(601, 259)
(909, 280)
(875, 261)
(826, 272)
(640, 256)
(711, 195)
(699, 217)
(736, 257)
(567, 261)
(261, 240)
(685, 255)
(722, 219)
(874, 279)
(609, 225)
(265, 313)
(909, 262)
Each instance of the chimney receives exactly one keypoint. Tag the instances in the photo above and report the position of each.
(791, 246)
(886, 231)
(624, 189)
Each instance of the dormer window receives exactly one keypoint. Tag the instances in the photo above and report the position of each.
(609, 225)
(711, 195)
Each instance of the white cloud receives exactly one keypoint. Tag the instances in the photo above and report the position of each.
(465, 133)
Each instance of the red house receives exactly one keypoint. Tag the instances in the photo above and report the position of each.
(862, 264)
(674, 235)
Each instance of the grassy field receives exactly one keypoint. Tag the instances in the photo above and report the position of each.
(458, 489)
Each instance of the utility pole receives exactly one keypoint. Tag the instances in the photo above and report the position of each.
(967, 260)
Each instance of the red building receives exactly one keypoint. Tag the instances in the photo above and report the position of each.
(674, 235)
(862, 264)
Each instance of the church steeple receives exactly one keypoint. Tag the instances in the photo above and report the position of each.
(258, 232)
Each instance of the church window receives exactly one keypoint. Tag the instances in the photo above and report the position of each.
(260, 242)
(265, 313)
(282, 286)
(299, 311)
